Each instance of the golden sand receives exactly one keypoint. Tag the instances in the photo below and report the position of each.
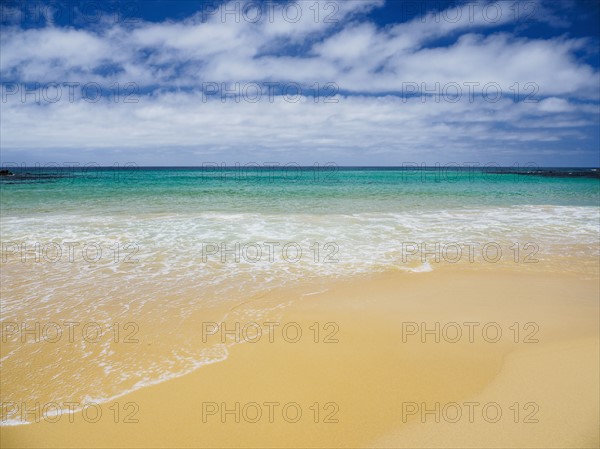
(361, 387)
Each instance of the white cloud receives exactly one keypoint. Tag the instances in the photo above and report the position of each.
(359, 56)
(349, 129)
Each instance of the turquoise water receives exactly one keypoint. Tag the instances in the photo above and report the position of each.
(310, 190)
(368, 213)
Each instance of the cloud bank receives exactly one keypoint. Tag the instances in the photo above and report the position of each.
(247, 82)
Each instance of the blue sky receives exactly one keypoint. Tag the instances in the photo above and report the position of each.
(366, 82)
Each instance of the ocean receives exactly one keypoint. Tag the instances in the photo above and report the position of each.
(151, 253)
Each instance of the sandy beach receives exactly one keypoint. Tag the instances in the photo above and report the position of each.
(373, 372)
(301, 224)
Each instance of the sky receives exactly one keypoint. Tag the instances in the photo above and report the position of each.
(350, 82)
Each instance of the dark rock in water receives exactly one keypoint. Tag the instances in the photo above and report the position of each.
(564, 174)
(7, 175)
(580, 173)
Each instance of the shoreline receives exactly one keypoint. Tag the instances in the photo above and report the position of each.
(368, 311)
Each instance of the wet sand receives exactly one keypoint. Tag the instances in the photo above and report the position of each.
(371, 378)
